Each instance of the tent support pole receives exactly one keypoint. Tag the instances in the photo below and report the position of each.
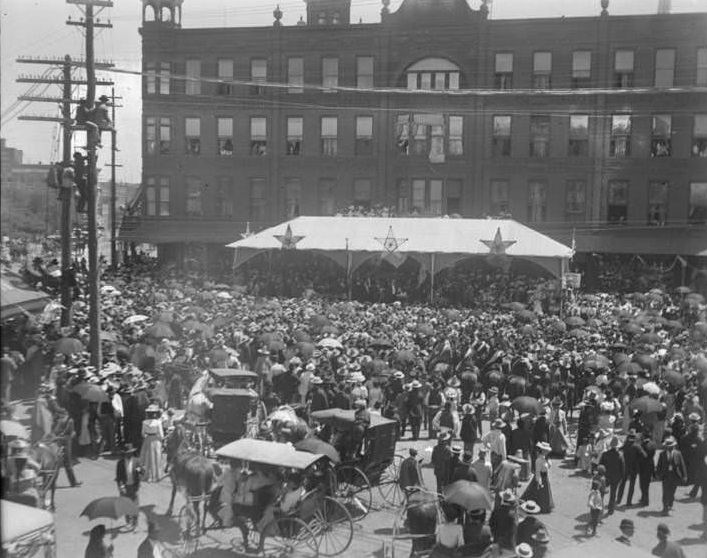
(432, 277)
(349, 264)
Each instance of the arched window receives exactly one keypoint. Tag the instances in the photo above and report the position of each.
(150, 14)
(433, 74)
(166, 13)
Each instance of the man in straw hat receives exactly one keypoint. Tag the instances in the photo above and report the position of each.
(504, 520)
(613, 460)
(127, 477)
(495, 439)
(671, 471)
(441, 460)
(530, 522)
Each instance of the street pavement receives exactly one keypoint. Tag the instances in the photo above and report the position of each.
(373, 535)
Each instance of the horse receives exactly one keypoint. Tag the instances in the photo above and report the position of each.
(192, 472)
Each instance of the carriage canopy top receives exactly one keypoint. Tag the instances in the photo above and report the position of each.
(268, 453)
(347, 416)
(228, 373)
(19, 521)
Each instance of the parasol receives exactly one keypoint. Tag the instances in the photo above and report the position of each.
(683, 290)
(135, 319)
(330, 343)
(276, 345)
(108, 336)
(160, 330)
(526, 316)
(405, 356)
(627, 367)
(330, 330)
(453, 315)
(579, 333)
(596, 362)
(469, 495)
(646, 405)
(647, 362)
(224, 295)
(306, 349)
(68, 346)
(575, 321)
(649, 338)
(113, 507)
(13, 428)
(651, 388)
(632, 328)
(695, 298)
(315, 445)
(526, 404)
(301, 336)
(382, 342)
(515, 306)
(674, 379)
(425, 329)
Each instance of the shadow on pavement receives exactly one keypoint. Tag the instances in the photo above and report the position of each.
(216, 552)
(169, 529)
(689, 541)
(655, 513)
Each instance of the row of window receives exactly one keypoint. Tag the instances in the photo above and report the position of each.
(426, 74)
(425, 196)
(433, 135)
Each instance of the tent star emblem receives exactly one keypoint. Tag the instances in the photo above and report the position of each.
(288, 240)
(247, 232)
(390, 243)
(498, 246)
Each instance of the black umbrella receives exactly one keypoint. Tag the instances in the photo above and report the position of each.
(315, 445)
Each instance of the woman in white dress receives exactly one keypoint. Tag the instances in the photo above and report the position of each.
(151, 451)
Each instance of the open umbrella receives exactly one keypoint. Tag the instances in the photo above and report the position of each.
(330, 330)
(453, 315)
(632, 328)
(695, 298)
(627, 367)
(469, 495)
(646, 405)
(113, 507)
(301, 336)
(575, 321)
(13, 428)
(651, 388)
(596, 362)
(674, 379)
(405, 357)
(526, 404)
(306, 349)
(649, 338)
(315, 445)
(683, 290)
(135, 319)
(579, 333)
(68, 346)
(526, 316)
(140, 353)
(108, 336)
(382, 342)
(647, 362)
(425, 329)
(330, 343)
(159, 330)
(276, 345)
(514, 306)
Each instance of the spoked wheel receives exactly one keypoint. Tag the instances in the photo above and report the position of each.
(332, 526)
(354, 491)
(389, 488)
(188, 529)
(288, 537)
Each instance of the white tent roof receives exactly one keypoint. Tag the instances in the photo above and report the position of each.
(413, 235)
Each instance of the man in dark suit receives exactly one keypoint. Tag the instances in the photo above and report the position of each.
(127, 476)
(666, 548)
(613, 460)
(646, 466)
(151, 547)
(671, 471)
(632, 452)
(442, 461)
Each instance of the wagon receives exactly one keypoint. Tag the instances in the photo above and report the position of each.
(234, 414)
(319, 524)
(376, 466)
(234, 378)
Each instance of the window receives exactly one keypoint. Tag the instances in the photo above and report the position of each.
(403, 197)
(575, 200)
(499, 197)
(330, 74)
(225, 76)
(501, 136)
(193, 71)
(456, 135)
(701, 77)
(150, 135)
(697, 213)
(617, 202)
(420, 136)
(150, 78)
(329, 133)
(362, 192)
(418, 196)
(504, 70)
(165, 135)
(579, 135)
(150, 197)
(294, 135)
(257, 200)
(664, 67)
(223, 201)
(699, 136)
(364, 72)
(620, 143)
(623, 69)
(433, 73)
(192, 133)
(224, 136)
(258, 135)
(258, 74)
(657, 203)
(540, 136)
(295, 75)
(327, 202)
(435, 191)
(581, 68)
(402, 134)
(454, 197)
(542, 68)
(165, 76)
(195, 190)
(293, 197)
(163, 204)
(537, 201)
(661, 143)
(364, 135)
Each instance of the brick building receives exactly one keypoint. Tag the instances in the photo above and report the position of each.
(592, 127)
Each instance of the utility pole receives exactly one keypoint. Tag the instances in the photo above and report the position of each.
(65, 194)
(113, 147)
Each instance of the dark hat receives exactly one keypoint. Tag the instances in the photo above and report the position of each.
(663, 528)
(103, 98)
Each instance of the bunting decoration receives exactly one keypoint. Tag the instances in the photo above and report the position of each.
(390, 248)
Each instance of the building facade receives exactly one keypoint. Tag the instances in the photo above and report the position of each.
(591, 128)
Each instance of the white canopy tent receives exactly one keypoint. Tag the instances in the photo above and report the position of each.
(437, 243)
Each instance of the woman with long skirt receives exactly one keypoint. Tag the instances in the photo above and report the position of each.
(539, 488)
(151, 451)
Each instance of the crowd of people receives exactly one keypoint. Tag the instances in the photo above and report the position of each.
(630, 370)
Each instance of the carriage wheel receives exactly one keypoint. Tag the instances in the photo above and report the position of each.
(188, 529)
(389, 488)
(332, 526)
(353, 489)
(288, 537)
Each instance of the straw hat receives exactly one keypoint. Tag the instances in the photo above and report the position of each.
(530, 507)
(524, 550)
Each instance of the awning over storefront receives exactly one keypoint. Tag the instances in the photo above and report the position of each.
(17, 297)
(435, 242)
(151, 230)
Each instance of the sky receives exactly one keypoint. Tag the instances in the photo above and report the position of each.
(37, 28)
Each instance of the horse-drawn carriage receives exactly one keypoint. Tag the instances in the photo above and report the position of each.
(278, 497)
(374, 463)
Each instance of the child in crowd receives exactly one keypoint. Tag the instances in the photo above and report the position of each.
(596, 506)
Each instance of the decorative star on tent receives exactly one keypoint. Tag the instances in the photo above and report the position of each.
(288, 240)
(247, 232)
(391, 243)
(498, 246)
